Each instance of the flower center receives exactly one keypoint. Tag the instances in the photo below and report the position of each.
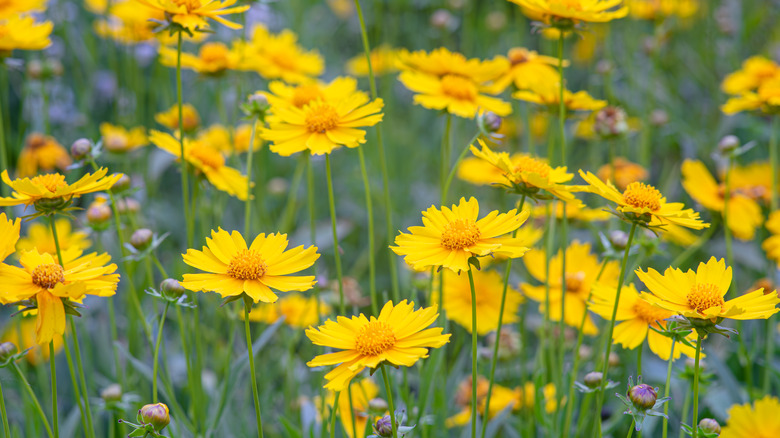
(208, 157)
(703, 296)
(458, 87)
(283, 60)
(321, 118)
(459, 234)
(649, 313)
(51, 181)
(247, 265)
(532, 165)
(641, 195)
(574, 281)
(48, 275)
(189, 4)
(374, 338)
(215, 53)
(519, 55)
(304, 94)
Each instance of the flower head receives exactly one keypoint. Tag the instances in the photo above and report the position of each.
(212, 59)
(15, 8)
(528, 68)
(751, 421)
(281, 95)
(772, 244)
(659, 9)
(298, 311)
(170, 118)
(566, 13)
(755, 71)
(23, 33)
(51, 189)
(42, 153)
(278, 56)
(192, 14)
(625, 172)
(548, 94)
(118, 139)
(354, 411)
(39, 237)
(384, 60)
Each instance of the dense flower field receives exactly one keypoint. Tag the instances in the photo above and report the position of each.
(407, 218)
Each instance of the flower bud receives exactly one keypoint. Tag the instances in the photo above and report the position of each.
(728, 144)
(643, 396)
(278, 186)
(378, 405)
(141, 238)
(258, 99)
(98, 213)
(156, 415)
(384, 426)
(611, 122)
(111, 393)
(35, 69)
(54, 67)
(709, 425)
(604, 67)
(128, 205)
(172, 289)
(614, 359)
(659, 117)
(442, 19)
(593, 379)
(80, 148)
(7, 349)
(618, 239)
(122, 183)
(496, 20)
(491, 121)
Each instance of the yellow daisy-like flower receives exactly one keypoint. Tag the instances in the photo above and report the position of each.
(441, 62)
(398, 336)
(772, 244)
(699, 294)
(743, 213)
(500, 399)
(753, 180)
(192, 14)
(755, 71)
(42, 153)
(24, 33)
(233, 268)
(548, 94)
(219, 137)
(170, 118)
(529, 68)
(52, 188)
(278, 56)
(15, 8)
(118, 139)
(39, 237)
(574, 212)
(281, 95)
(766, 99)
(489, 286)
(384, 60)
(449, 237)
(528, 173)
(658, 9)
(212, 58)
(207, 160)
(645, 202)
(297, 310)
(637, 316)
(569, 12)
(320, 126)
(362, 393)
(625, 172)
(762, 419)
(582, 268)
(24, 338)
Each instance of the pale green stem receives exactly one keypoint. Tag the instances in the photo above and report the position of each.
(445, 155)
(667, 390)
(77, 354)
(371, 249)
(451, 174)
(252, 372)
(390, 404)
(34, 399)
(333, 415)
(6, 427)
(695, 423)
(157, 351)
(770, 324)
(185, 189)
(248, 202)
(336, 253)
(474, 337)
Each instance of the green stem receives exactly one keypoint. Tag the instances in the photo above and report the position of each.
(3, 149)
(34, 399)
(333, 415)
(769, 348)
(631, 429)
(185, 189)
(667, 390)
(113, 329)
(389, 390)
(726, 229)
(695, 423)
(445, 155)
(76, 390)
(336, 254)
(371, 249)
(454, 168)
(82, 377)
(639, 359)
(248, 202)
(561, 105)
(6, 427)
(252, 371)
(157, 351)
(474, 337)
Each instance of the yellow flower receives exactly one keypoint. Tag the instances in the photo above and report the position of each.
(772, 244)
(212, 58)
(233, 268)
(637, 316)
(297, 310)
(699, 294)
(206, 160)
(120, 140)
(744, 214)
(23, 336)
(574, 212)
(489, 286)
(278, 56)
(361, 393)
(397, 336)
(192, 14)
(655, 9)
(529, 68)
(281, 95)
(645, 202)
(23, 33)
(525, 172)
(384, 60)
(753, 180)
(52, 188)
(582, 268)
(500, 399)
(573, 11)
(39, 237)
(766, 99)
(755, 71)
(625, 171)
(762, 419)
(170, 118)
(15, 8)
(320, 126)
(548, 94)
(449, 237)
(42, 153)
(342, 8)
(129, 22)
(219, 138)
(448, 81)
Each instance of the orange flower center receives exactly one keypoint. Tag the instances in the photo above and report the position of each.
(209, 157)
(459, 234)
(189, 4)
(321, 118)
(518, 55)
(374, 338)
(641, 195)
(532, 165)
(48, 275)
(247, 264)
(283, 60)
(214, 53)
(51, 181)
(458, 87)
(649, 313)
(574, 281)
(704, 296)
(304, 94)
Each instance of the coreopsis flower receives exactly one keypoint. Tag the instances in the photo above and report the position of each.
(527, 174)
(119, 139)
(582, 268)
(192, 14)
(207, 161)
(528, 68)
(212, 58)
(772, 244)
(52, 191)
(229, 141)
(501, 398)
(644, 203)
(753, 180)
(565, 14)
(574, 212)
(298, 311)
(24, 33)
(356, 410)
(42, 153)
(384, 60)
(659, 9)
(321, 126)
(278, 56)
(281, 95)
(444, 80)
(15, 8)
(743, 212)
(637, 317)
(232, 268)
(489, 286)
(766, 99)
(170, 118)
(698, 294)
(548, 95)
(40, 238)
(480, 172)
(751, 421)
(23, 335)
(625, 172)
(755, 71)
(129, 22)
(398, 336)
(450, 236)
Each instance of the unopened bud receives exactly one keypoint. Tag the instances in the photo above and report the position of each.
(618, 239)
(659, 117)
(495, 20)
(7, 349)
(80, 148)
(491, 121)
(384, 426)
(728, 144)
(442, 19)
(604, 67)
(378, 405)
(157, 415)
(122, 183)
(258, 99)
(54, 67)
(111, 393)
(98, 213)
(643, 396)
(172, 289)
(611, 122)
(614, 359)
(35, 69)
(141, 238)
(709, 425)
(593, 379)
(128, 205)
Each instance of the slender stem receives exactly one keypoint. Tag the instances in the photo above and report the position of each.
(82, 377)
(336, 253)
(769, 348)
(185, 189)
(113, 329)
(34, 399)
(474, 337)
(695, 423)
(454, 168)
(371, 248)
(561, 105)
(667, 390)
(3, 149)
(157, 351)
(639, 359)
(773, 200)
(390, 404)
(248, 202)
(445, 155)
(54, 408)
(631, 429)
(252, 371)
(726, 228)
(6, 427)
(76, 390)
(333, 415)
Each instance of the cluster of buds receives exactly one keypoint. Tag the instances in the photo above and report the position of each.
(152, 419)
